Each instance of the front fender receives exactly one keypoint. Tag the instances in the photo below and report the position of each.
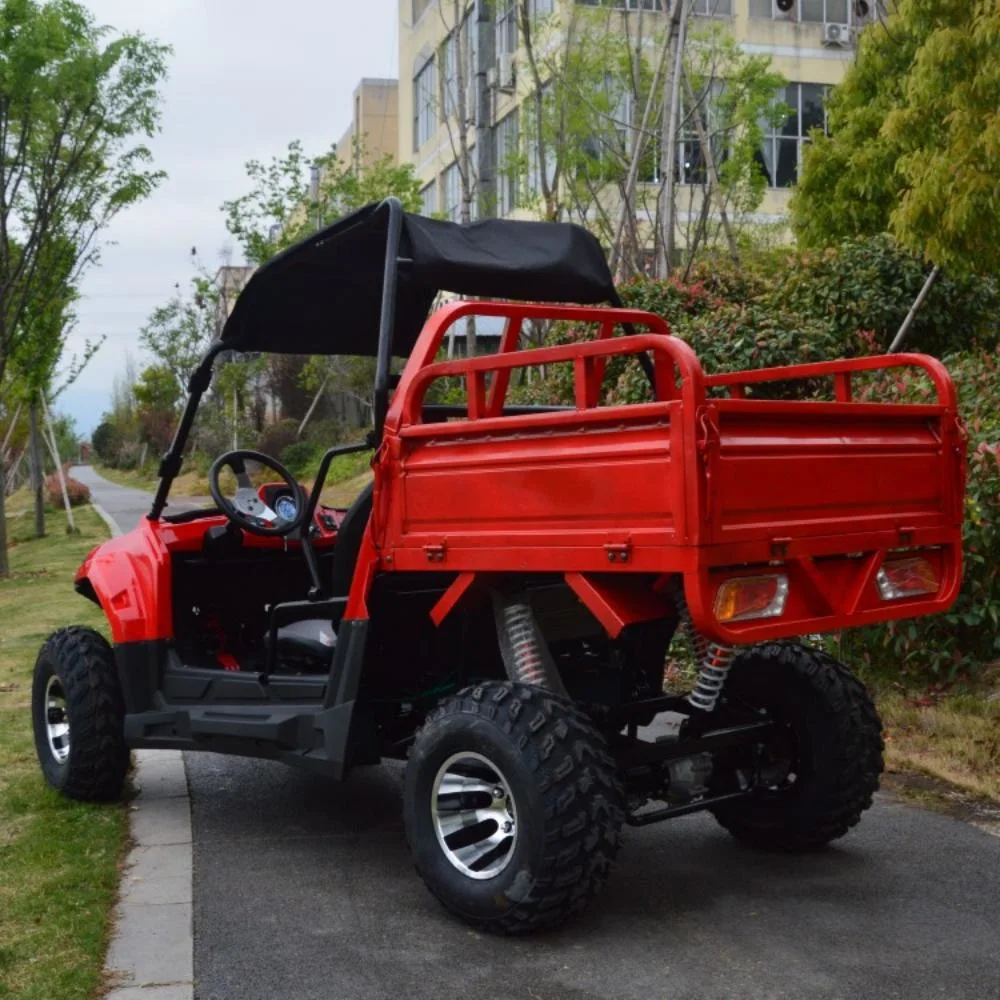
(129, 577)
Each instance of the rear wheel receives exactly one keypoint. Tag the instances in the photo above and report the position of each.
(78, 716)
(820, 777)
(513, 807)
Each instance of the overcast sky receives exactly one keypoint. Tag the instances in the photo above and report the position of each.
(246, 77)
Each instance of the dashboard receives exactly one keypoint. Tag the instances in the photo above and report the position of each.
(284, 503)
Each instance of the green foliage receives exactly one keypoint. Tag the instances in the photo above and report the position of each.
(956, 645)
(301, 457)
(157, 389)
(279, 209)
(106, 441)
(736, 96)
(869, 285)
(178, 333)
(73, 101)
(915, 138)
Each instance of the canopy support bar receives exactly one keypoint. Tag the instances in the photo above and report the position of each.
(387, 317)
(170, 464)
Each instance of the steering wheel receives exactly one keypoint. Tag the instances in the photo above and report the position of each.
(246, 509)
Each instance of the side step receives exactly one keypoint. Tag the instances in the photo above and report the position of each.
(305, 735)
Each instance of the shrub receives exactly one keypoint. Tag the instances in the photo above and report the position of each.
(276, 437)
(958, 644)
(78, 493)
(301, 457)
(870, 284)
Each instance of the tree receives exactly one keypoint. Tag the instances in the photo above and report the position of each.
(914, 139)
(178, 333)
(283, 206)
(72, 102)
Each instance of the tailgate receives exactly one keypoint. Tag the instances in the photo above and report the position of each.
(825, 493)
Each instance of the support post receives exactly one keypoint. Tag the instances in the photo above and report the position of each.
(50, 439)
(897, 343)
(37, 471)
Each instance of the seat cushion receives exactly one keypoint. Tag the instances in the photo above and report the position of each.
(312, 637)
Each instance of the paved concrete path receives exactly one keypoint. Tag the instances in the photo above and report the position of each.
(303, 889)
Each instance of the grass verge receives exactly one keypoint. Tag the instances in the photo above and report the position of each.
(59, 859)
(953, 738)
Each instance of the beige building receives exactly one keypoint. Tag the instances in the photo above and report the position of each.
(810, 44)
(374, 119)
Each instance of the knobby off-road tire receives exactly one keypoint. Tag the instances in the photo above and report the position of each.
(566, 808)
(75, 671)
(836, 737)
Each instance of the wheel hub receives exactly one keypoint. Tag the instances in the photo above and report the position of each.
(56, 719)
(473, 813)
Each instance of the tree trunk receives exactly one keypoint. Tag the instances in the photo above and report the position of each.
(312, 406)
(4, 559)
(900, 338)
(50, 439)
(714, 187)
(37, 472)
(672, 113)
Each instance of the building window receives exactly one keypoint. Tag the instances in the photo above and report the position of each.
(626, 4)
(813, 11)
(507, 165)
(533, 154)
(781, 153)
(712, 8)
(824, 11)
(541, 8)
(451, 193)
(428, 198)
(505, 27)
(424, 119)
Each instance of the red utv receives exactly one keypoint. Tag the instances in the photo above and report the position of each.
(496, 609)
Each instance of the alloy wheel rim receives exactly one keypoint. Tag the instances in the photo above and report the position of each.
(474, 817)
(57, 719)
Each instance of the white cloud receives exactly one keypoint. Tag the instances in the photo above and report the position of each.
(246, 77)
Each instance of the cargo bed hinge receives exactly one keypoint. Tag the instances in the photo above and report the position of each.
(435, 553)
(709, 441)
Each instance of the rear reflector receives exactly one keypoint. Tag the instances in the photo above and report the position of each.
(751, 597)
(906, 578)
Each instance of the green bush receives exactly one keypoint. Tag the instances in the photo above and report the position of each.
(302, 457)
(959, 643)
(869, 285)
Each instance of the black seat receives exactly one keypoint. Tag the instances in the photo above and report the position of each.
(314, 638)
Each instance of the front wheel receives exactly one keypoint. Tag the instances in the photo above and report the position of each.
(820, 777)
(513, 807)
(79, 716)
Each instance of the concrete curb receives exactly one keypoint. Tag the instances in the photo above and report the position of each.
(107, 519)
(151, 954)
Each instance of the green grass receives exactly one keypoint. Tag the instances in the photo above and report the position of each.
(58, 859)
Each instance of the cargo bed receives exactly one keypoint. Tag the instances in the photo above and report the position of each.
(704, 482)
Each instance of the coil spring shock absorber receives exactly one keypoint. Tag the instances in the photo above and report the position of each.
(525, 653)
(714, 660)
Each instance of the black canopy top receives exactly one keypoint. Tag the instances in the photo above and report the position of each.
(324, 295)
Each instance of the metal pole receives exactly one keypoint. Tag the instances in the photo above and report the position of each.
(900, 338)
(387, 320)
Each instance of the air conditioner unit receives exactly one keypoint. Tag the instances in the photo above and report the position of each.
(491, 77)
(838, 35)
(505, 73)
